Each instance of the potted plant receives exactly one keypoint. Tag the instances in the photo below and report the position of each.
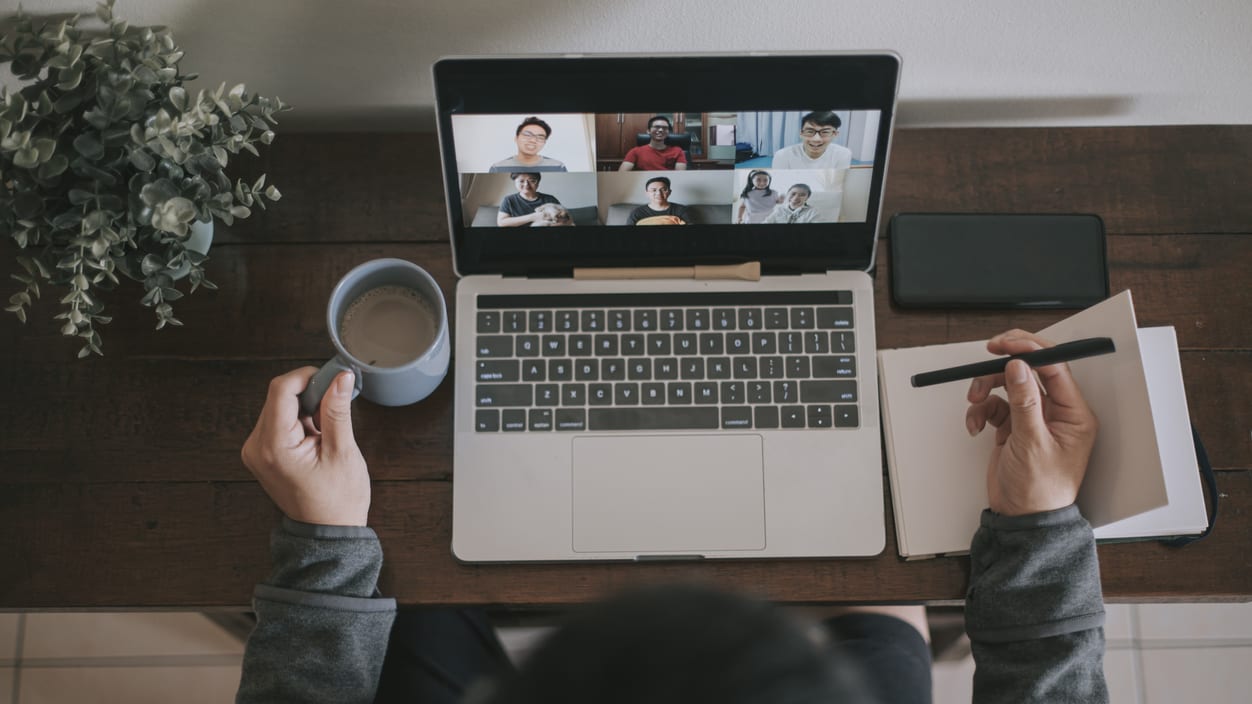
(108, 164)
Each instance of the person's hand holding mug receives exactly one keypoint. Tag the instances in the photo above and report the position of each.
(313, 476)
(1043, 442)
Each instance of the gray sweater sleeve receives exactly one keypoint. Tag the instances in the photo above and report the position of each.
(1034, 610)
(322, 629)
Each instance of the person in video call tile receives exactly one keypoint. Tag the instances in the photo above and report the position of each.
(518, 209)
(795, 209)
(532, 136)
(757, 200)
(656, 155)
(659, 210)
(816, 149)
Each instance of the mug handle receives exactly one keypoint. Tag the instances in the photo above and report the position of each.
(312, 395)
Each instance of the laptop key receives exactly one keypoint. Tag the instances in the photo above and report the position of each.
(533, 370)
(711, 343)
(750, 319)
(819, 416)
(776, 319)
(745, 368)
(764, 343)
(679, 393)
(786, 392)
(514, 321)
(843, 341)
(765, 416)
(793, 416)
(653, 394)
(828, 318)
(798, 367)
(527, 345)
(732, 392)
(705, 392)
(738, 343)
(772, 368)
(487, 420)
(573, 394)
(567, 320)
(665, 368)
(579, 345)
(791, 342)
(540, 419)
(613, 369)
(606, 345)
(552, 345)
(513, 419)
(671, 319)
(645, 320)
(488, 321)
(736, 417)
(842, 391)
(497, 395)
(560, 370)
(497, 370)
(723, 319)
(802, 318)
(758, 392)
(593, 320)
(698, 319)
(668, 418)
(494, 345)
(571, 419)
(686, 343)
(639, 370)
(832, 367)
(586, 370)
(692, 368)
(626, 394)
(547, 394)
(658, 344)
(540, 320)
(633, 345)
(619, 320)
(847, 417)
(600, 395)
(816, 343)
(719, 367)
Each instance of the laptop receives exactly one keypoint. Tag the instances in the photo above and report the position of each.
(626, 389)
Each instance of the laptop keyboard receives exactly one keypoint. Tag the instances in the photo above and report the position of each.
(675, 361)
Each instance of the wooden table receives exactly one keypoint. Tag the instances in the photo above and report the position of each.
(120, 479)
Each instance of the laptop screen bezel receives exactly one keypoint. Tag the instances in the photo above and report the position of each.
(698, 83)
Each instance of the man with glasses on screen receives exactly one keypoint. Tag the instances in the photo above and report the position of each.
(656, 155)
(531, 137)
(659, 210)
(816, 149)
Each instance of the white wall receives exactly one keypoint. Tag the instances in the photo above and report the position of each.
(365, 64)
(482, 140)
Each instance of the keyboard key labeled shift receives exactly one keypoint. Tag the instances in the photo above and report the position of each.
(828, 391)
(683, 418)
(497, 395)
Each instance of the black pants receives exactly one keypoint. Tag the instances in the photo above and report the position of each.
(436, 654)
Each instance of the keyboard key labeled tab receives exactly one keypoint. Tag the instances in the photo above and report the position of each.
(683, 418)
(494, 346)
(497, 395)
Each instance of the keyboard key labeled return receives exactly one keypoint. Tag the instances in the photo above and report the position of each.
(833, 367)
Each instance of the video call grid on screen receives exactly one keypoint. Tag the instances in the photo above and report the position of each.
(749, 167)
(482, 102)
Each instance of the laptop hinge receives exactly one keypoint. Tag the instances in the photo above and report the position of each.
(747, 271)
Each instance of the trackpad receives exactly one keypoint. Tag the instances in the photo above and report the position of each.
(668, 493)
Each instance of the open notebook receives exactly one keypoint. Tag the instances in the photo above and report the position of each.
(1142, 481)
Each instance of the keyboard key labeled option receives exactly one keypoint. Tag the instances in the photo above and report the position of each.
(682, 418)
(487, 420)
(571, 419)
(497, 395)
(497, 370)
(540, 419)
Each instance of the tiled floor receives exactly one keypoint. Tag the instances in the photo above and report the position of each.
(1157, 654)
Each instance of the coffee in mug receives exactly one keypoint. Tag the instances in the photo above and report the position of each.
(388, 320)
(389, 326)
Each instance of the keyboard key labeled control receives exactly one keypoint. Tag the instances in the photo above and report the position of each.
(683, 418)
(513, 419)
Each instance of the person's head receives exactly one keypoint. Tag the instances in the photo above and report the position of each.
(817, 129)
(672, 644)
(798, 195)
(526, 182)
(758, 179)
(532, 135)
(659, 128)
(658, 191)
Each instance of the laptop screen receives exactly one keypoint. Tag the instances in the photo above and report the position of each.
(552, 163)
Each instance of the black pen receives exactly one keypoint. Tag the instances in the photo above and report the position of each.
(1064, 352)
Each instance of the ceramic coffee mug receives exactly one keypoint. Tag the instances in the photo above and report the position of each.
(389, 323)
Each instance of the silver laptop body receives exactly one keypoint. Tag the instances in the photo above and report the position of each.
(664, 418)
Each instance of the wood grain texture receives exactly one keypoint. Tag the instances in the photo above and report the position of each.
(120, 546)
(120, 479)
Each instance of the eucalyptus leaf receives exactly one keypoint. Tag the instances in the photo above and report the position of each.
(54, 167)
(88, 144)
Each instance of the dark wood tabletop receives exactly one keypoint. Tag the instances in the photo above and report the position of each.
(120, 479)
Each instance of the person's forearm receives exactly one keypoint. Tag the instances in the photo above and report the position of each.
(322, 630)
(515, 220)
(1034, 610)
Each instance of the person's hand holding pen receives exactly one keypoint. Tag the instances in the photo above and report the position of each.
(1043, 442)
